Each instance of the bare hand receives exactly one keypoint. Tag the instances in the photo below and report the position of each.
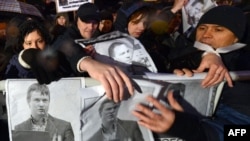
(157, 122)
(217, 71)
(178, 4)
(112, 78)
(184, 71)
(216, 74)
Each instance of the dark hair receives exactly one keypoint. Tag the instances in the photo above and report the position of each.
(195, 2)
(131, 10)
(12, 33)
(144, 12)
(105, 101)
(29, 26)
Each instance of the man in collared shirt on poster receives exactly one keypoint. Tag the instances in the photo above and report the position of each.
(38, 98)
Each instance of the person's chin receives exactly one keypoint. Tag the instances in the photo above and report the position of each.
(137, 35)
(88, 35)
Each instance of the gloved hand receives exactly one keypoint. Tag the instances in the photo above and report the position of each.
(46, 64)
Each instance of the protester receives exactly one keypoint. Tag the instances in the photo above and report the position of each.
(31, 35)
(111, 77)
(158, 38)
(60, 25)
(106, 23)
(216, 30)
(132, 18)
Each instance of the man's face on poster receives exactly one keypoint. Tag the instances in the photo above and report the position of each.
(39, 104)
(194, 12)
(109, 112)
(123, 53)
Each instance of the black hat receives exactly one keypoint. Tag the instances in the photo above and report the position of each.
(230, 17)
(88, 11)
(106, 15)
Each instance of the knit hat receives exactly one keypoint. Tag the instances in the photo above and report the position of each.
(230, 17)
(88, 11)
(130, 7)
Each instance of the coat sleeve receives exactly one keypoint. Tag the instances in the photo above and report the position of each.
(192, 128)
(73, 51)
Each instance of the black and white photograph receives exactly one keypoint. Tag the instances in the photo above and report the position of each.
(69, 5)
(193, 10)
(102, 119)
(63, 2)
(122, 50)
(44, 111)
(193, 92)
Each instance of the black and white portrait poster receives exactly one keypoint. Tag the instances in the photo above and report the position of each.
(99, 113)
(58, 101)
(193, 10)
(120, 49)
(69, 5)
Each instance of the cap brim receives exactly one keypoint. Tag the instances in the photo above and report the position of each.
(90, 18)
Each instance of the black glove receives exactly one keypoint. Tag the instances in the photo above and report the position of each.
(46, 64)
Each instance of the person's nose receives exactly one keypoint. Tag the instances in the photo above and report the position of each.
(141, 26)
(41, 103)
(207, 33)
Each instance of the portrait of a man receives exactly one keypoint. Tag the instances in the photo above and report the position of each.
(194, 10)
(122, 52)
(38, 99)
(113, 128)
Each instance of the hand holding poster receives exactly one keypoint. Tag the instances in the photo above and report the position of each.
(122, 50)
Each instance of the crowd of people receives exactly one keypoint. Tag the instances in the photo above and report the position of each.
(219, 43)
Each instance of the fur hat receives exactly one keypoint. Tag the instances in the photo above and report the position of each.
(230, 17)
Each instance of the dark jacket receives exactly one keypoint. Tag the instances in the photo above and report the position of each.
(54, 126)
(126, 131)
(15, 70)
(66, 44)
(238, 60)
(238, 96)
(193, 128)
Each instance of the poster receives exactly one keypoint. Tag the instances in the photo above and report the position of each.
(69, 5)
(193, 10)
